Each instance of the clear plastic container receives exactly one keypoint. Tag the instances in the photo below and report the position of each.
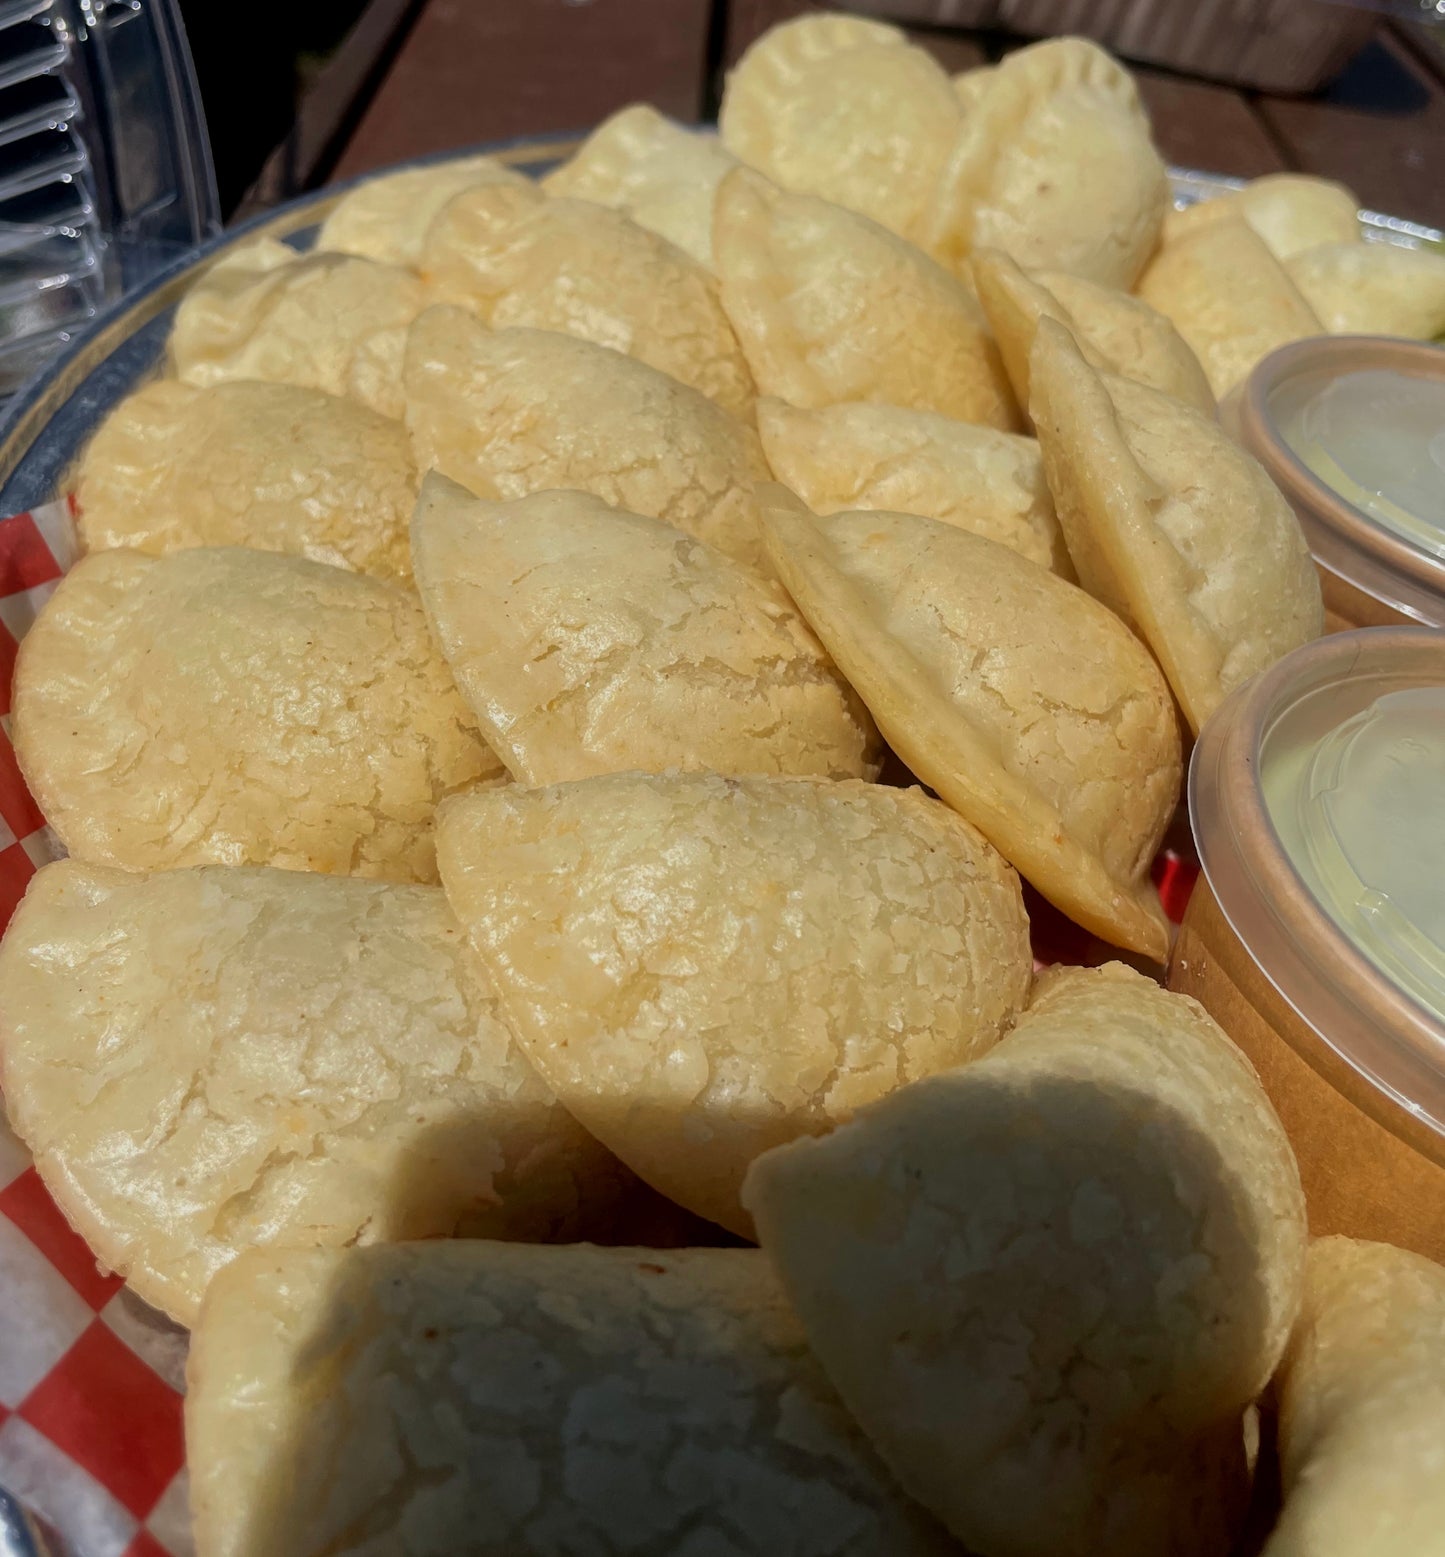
(105, 167)
(1316, 934)
(1352, 430)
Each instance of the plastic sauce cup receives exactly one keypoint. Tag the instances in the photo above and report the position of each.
(1316, 933)
(1351, 428)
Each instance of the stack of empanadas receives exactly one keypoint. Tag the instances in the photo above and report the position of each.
(490, 726)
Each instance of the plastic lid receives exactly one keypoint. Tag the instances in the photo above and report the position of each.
(1352, 429)
(1317, 797)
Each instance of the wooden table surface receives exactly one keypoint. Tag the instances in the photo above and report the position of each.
(471, 71)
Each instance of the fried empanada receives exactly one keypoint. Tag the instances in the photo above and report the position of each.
(1055, 166)
(1374, 289)
(1362, 1407)
(323, 321)
(514, 256)
(829, 307)
(490, 1399)
(1171, 524)
(386, 217)
(1292, 212)
(240, 707)
(1049, 1284)
(244, 463)
(1030, 708)
(916, 462)
(511, 412)
(661, 174)
(847, 109)
(588, 640)
(1229, 297)
(1116, 333)
(203, 1061)
(704, 967)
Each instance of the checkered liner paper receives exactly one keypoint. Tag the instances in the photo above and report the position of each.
(91, 1379)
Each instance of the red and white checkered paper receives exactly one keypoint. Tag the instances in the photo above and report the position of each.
(91, 1379)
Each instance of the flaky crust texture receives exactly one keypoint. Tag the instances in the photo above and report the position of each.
(239, 707)
(514, 256)
(387, 218)
(1373, 288)
(1363, 1407)
(323, 321)
(860, 455)
(245, 463)
(660, 174)
(415, 1393)
(705, 967)
(829, 307)
(209, 1060)
(511, 412)
(848, 110)
(1049, 1283)
(590, 640)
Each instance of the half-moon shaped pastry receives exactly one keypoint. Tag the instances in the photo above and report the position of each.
(1025, 704)
(245, 463)
(1374, 288)
(1050, 1283)
(1292, 212)
(240, 707)
(493, 1399)
(511, 412)
(830, 307)
(204, 1061)
(514, 256)
(661, 174)
(1116, 333)
(704, 967)
(1172, 525)
(588, 640)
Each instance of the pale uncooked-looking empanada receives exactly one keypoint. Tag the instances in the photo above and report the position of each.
(1029, 707)
(661, 174)
(1374, 288)
(511, 412)
(589, 640)
(1055, 166)
(386, 218)
(240, 707)
(1115, 332)
(515, 256)
(203, 1061)
(1362, 1407)
(1292, 212)
(245, 463)
(1049, 1284)
(1229, 297)
(848, 109)
(829, 306)
(491, 1399)
(324, 321)
(1171, 524)
(862, 455)
(704, 967)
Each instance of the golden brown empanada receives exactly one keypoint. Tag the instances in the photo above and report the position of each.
(1049, 1284)
(1115, 332)
(514, 256)
(510, 412)
(246, 463)
(663, 175)
(847, 109)
(829, 306)
(1055, 166)
(588, 640)
(1172, 525)
(1026, 705)
(1374, 288)
(704, 967)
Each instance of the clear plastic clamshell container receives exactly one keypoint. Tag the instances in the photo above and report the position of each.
(105, 167)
